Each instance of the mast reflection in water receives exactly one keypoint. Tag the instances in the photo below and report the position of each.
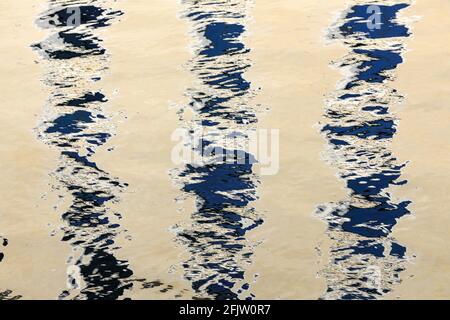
(224, 191)
(365, 261)
(76, 123)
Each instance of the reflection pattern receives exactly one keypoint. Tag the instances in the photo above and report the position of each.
(365, 261)
(220, 102)
(76, 123)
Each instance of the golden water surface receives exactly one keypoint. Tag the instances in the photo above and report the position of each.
(151, 69)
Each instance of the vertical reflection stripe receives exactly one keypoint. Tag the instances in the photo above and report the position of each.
(220, 100)
(365, 261)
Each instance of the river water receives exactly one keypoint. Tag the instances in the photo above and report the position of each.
(95, 207)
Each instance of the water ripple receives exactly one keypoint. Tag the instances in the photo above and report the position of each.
(76, 123)
(365, 261)
(224, 192)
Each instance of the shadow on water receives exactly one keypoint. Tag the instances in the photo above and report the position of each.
(365, 261)
(220, 104)
(76, 124)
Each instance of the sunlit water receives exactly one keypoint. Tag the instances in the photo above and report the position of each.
(220, 214)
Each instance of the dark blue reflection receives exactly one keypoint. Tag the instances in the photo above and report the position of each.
(85, 99)
(365, 261)
(76, 58)
(222, 37)
(356, 22)
(224, 190)
(211, 183)
(372, 71)
(379, 129)
(71, 123)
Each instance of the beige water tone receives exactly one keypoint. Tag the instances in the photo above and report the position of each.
(146, 79)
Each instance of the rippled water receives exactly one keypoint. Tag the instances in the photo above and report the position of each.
(109, 222)
(365, 260)
(224, 192)
(76, 123)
